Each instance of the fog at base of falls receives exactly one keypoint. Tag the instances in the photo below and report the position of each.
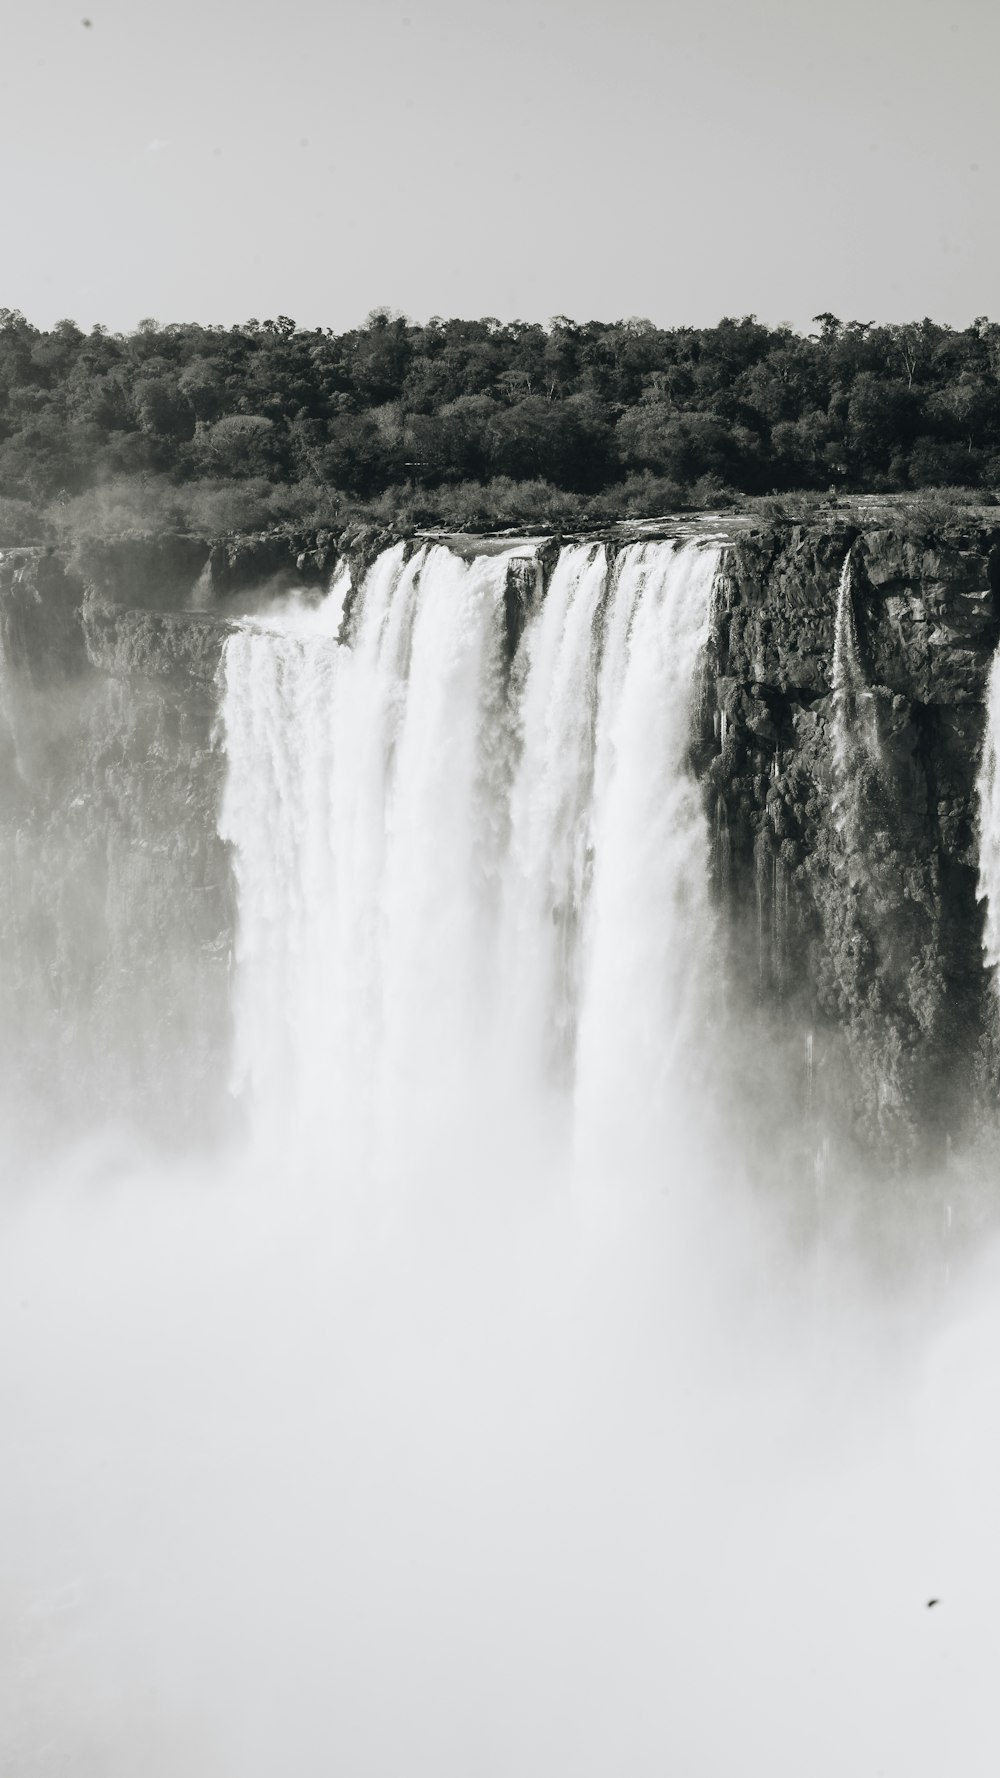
(300, 1486)
(455, 1422)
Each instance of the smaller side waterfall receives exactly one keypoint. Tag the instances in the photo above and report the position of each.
(855, 728)
(847, 674)
(988, 799)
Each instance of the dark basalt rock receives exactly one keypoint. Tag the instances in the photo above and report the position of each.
(523, 588)
(40, 600)
(184, 647)
(852, 920)
(146, 573)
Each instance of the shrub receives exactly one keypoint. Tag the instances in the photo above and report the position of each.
(21, 522)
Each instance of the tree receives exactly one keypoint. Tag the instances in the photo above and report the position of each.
(243, 444)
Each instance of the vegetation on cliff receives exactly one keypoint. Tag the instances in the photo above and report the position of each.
(216, 429)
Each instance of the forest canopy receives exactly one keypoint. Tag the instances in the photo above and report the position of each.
(477, 422)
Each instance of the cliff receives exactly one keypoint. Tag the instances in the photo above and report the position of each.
(116, 905)
(844, 818)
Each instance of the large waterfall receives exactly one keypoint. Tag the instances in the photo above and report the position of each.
(475, 1395)
(468, 884)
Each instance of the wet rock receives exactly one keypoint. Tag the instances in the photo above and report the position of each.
(877, 946)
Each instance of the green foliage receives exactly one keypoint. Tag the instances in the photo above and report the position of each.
(230, 426)
(21, 523)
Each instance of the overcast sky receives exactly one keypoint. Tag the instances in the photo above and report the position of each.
(212, 160)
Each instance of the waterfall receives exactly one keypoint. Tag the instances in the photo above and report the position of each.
(855, 729)
(546, 1365)
(464, 882)
(988, 800)
(847, 675)
(648, 927)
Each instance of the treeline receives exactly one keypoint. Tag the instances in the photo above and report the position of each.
(480, 421)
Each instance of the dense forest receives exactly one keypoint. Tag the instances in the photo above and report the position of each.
(477, 422)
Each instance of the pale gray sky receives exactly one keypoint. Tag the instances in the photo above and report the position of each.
(208, 160)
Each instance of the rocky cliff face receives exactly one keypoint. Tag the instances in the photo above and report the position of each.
(116, 904)
(840, 733)
(844, 819)
(171, 572)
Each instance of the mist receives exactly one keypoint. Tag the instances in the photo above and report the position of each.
(491, 1484)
